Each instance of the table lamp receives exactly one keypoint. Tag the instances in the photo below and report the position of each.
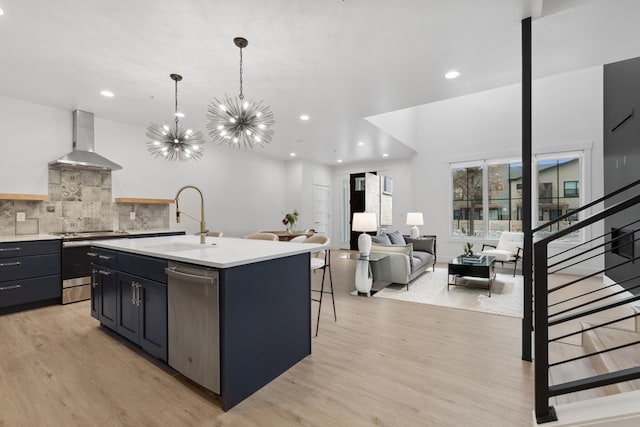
(364, 221)
(415, 219)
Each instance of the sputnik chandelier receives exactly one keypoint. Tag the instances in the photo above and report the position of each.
(237, 122)
(175, 142)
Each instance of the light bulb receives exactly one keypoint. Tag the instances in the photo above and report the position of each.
(223, 133)
(156, 142)
(195, 147)
(259, 113)
(235, 139)
(261, 126)
(222, 107)
(232, 120)
(220, 127)
(189, 131)
(246, 105)
(179, 114)
(165, 154)
(164, 149)
(176, 141)
(248, 132)
(166, 127)
(257, 139)
(187, 155)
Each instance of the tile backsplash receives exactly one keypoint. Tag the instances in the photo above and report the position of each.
(79, 200)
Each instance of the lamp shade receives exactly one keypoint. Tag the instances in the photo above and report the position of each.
(364, 221)
(414, 218)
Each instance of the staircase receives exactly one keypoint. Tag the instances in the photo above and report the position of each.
(586, 329)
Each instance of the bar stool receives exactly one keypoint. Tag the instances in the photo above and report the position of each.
(321, 260)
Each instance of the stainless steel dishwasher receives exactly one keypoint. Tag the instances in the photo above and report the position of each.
(194, 331)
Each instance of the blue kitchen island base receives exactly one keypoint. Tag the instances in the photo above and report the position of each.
(265, 323)
(264, 313)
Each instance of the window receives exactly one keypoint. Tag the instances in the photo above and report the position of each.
(571, 189)
(492, 190)
(467, 185)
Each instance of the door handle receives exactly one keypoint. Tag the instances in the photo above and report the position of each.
(94, 282)
(138, 286)
(104, 257)
(93, 254)
(6, 288)
(105, 272)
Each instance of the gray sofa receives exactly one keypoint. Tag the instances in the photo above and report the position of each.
(408, 258)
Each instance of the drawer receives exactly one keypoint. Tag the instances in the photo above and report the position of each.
(18, 249)
(29, 290)
(143, 266)
(29, 266)
(103, 257)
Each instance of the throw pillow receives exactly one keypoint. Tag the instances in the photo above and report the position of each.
(396, 238)
(382, 239)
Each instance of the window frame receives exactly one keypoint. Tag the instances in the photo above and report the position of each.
(581, 151)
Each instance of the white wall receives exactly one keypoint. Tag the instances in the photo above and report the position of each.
(301, 177)
(567, 112)
(243, 191)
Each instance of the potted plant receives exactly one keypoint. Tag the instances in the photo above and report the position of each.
(290, 220)
(468, 249)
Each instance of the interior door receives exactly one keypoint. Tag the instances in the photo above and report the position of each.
(321, 209)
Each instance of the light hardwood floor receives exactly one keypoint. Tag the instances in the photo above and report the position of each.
(383, 363)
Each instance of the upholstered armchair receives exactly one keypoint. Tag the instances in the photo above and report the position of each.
(508, 249)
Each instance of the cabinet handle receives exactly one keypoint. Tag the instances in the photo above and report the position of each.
(138, 286)
(6, 288)
(92, 254)
(133, 293)
(104, 257)
(10, 249)
(105, 272)
(8, 264)
(94, 282)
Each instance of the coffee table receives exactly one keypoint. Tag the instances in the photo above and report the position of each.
(485, 269)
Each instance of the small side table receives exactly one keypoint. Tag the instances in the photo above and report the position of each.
(364, 277)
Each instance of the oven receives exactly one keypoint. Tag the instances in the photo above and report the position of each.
(76, 263)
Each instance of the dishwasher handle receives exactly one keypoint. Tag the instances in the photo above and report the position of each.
(202, 280)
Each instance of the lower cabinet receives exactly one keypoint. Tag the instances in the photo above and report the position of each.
(104, 295)
(130, 304)
(142, 318)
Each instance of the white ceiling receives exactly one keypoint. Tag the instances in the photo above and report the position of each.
(338, 61)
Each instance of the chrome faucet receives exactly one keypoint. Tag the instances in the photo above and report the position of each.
(203, 230)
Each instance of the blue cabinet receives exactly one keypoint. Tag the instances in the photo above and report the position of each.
(29, 274)
(104, 286)
(131, 298)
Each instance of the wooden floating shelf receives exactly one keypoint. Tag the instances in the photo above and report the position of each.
(30, 197)
(145, 201)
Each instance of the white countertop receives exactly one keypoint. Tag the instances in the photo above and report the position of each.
(217, 252)
(28, 238)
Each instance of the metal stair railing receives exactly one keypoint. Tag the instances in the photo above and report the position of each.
(580, 304)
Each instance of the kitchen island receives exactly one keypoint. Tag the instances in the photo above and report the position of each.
(264, 301)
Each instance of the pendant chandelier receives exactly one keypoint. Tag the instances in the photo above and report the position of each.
(175, 142)
(237, 122)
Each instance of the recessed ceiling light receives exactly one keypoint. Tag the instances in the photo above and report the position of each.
(339, 160)
(452, 74)
(107, 93)
(292, 154)
(360, 143)
(304, 117)
(385, 155)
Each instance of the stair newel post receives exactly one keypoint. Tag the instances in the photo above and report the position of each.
(544, 412)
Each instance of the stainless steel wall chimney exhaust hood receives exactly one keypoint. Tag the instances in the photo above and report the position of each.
(83, 155)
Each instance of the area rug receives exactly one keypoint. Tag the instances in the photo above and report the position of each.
(431, 288)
